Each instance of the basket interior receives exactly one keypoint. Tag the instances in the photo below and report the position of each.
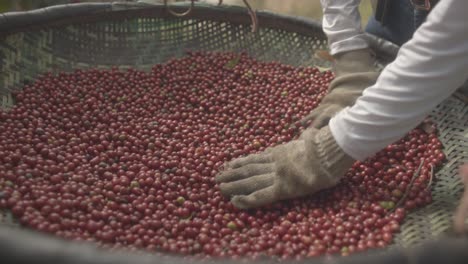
(141, 40)
(149, 36)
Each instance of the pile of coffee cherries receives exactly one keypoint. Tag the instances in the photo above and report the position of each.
(127, 159)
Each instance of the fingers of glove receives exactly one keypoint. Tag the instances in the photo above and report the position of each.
(259, 198)
(310, 117)
(244, 172)
(248, 185)
(321, 121)
(313, 114)
(324, 118)
(251, 159)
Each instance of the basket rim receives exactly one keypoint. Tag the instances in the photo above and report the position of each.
(81, 13)
(14, 22)
(49, 249)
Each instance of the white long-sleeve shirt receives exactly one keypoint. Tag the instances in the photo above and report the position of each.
(428, 69)
(342, 25)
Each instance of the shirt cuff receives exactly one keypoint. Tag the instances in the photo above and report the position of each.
(353, 43)
(345, 141)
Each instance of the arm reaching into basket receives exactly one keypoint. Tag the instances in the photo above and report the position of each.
(354, 62)
(428, 69)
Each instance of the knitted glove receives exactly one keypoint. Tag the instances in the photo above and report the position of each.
(298, 168)
(355, 71)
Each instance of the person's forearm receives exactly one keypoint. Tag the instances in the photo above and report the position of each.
(342, 25)
(428, 69)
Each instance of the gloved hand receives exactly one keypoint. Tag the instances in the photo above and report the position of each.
(355, 61)
(298, 168)
(355, 71)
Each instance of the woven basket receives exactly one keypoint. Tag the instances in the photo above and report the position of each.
(102, 35)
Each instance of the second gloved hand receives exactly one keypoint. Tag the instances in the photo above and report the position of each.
(355, 71)
(298, 168)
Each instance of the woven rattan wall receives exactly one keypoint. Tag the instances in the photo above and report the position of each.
(144, 38)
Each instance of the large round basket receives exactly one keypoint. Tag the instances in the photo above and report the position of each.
(102, 35)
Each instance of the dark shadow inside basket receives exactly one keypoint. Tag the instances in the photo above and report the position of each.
(65, 38)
